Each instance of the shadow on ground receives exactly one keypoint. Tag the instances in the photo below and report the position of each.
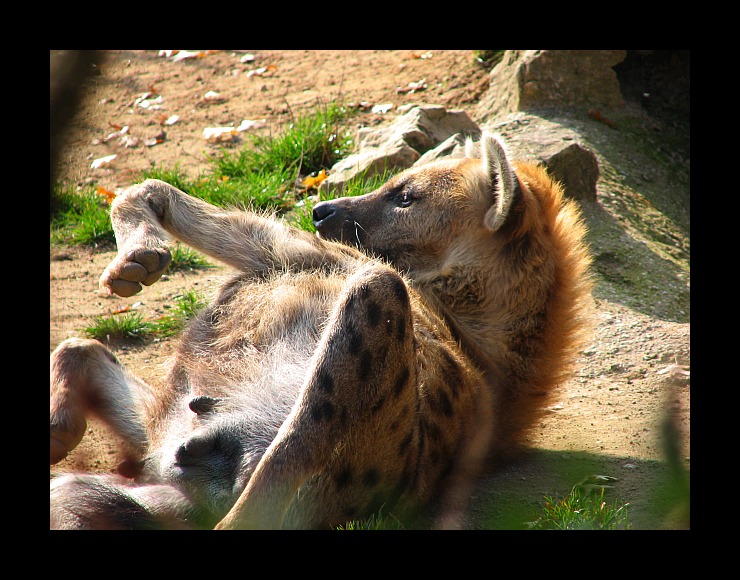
(657, 491)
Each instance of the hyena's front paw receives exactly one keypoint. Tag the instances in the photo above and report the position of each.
(139, 265)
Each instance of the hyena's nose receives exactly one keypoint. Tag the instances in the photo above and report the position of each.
(323, 213)
(330, 218)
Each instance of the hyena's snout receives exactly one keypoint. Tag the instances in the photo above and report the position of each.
(335, 220)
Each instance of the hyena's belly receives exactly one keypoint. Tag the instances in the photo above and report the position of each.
(239, 368)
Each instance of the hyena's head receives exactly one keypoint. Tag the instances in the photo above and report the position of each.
(427, 215)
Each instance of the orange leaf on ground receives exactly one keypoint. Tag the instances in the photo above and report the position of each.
(108, 195)
(313, 182)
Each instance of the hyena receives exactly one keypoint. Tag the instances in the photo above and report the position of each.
(377, 366)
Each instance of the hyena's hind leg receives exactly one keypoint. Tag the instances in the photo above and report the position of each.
(359, 392)
(86, 379)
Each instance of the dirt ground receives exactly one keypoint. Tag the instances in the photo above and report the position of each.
(609, 418)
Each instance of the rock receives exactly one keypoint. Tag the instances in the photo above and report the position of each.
(431, 132)
(369, 162)
(559, 148)
(575, 167)
(453, 147)
(532, 79)
(400, 144)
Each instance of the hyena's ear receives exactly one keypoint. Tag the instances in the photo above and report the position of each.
(500, 175)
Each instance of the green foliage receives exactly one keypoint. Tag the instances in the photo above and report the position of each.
(185, 259)
(308, 144)
(80, 218)
(582, 510)
(126, 326)
(262, 175)
(374, 522)
(188, 305)
(132, 326)
(172, 176)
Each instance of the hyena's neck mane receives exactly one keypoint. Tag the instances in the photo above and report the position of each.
(518, 301)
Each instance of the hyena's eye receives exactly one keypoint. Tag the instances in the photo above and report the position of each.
(401, 195)
(405, 199)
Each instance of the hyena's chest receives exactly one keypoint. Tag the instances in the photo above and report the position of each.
(256, 331)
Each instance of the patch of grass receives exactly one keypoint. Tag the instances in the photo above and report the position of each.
(126, 326)
(374, 522)
(582, 510)
(187, 306)
(173, 176)
(310, 143)
(129, 326)
(185, 259)
(80, 218)
(262, 175)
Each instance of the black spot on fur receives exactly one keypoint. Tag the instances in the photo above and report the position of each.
(343, 479)
(366, 364)
(400, 329)
(202, 404)
(433, 431)
(444, 404)
(355, 341)
(401, 381)
(377, 405)
(322, 411)
(325, 382)
(373, 313)
(371, 477)
(420, 454)
(399, 290)
(453, 372)
(440, 403)
(404, 445)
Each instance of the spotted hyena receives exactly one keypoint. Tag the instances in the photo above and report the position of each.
(376, 366)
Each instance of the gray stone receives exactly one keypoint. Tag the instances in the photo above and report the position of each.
(453, 147)
(400, 144)
(368, 163)
(526, 80)
(576, 168)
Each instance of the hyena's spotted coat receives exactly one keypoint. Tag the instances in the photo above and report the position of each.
(376, 366)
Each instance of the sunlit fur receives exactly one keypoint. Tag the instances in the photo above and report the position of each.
(376, 365)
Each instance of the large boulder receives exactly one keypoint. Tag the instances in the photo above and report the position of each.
(526, 80)
(532, 138)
